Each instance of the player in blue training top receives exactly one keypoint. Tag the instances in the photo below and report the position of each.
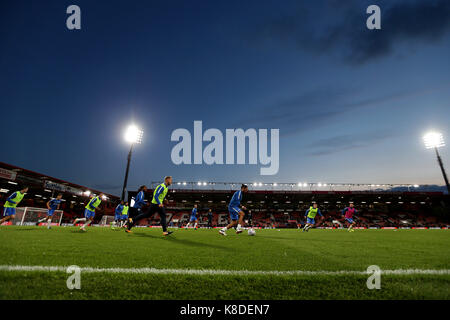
(52, 205)
(137, 207)
(310, 215)
(117, 215)
(236, 213)
(193, 218)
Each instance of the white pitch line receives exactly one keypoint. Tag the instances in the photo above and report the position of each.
(202, 272)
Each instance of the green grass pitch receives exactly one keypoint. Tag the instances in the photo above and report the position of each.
(269, 250)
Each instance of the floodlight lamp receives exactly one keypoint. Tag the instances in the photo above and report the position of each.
(433, 140)
(133, 134)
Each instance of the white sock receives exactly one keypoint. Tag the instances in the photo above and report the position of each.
(238, 226)
(87, 223)
(49, 222)
(79, 219)
(224, 229)
(195, 225)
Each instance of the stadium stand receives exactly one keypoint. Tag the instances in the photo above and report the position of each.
(43, 187)
(269, 209)
(286, 209)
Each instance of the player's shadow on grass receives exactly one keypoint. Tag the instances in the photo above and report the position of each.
(184, 242)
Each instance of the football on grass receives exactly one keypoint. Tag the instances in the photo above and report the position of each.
(251, 232)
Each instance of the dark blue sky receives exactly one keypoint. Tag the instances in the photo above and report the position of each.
(351, 104)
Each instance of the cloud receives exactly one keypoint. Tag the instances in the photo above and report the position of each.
(320, 106)
(346, 142)
(343, 32)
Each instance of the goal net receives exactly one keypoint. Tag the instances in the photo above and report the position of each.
(26, 216)
(106, 221)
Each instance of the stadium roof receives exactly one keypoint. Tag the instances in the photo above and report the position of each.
(24, 176)
(314, 187)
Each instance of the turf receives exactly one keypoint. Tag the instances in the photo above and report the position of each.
(270, 250)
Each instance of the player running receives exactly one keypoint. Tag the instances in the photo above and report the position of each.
(117, 215)
(156, 206)
(52, 205)
(310, 215)
(124, 216)
(193, 218)
(139, 202)
(89, 212)
(11, 203)
(235, 212)
(347, 214)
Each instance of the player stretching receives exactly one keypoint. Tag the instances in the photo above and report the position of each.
(157, 206)
(89, 212)
(235, 212)
(347, 214)
(310, 215)
(124, 216)
(52, 205)
(193, 217)
(11, 203)
(117, 215)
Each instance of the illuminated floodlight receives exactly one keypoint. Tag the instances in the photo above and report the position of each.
(416, 186)
(133, 134)
(104, 197)
(319, 184)
(87, 193)
(260, 184)
(199, 183)
(204, 183)
(275, 184)
(184, 183)
(433, 140)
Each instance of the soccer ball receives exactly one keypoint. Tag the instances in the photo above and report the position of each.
(251, 232)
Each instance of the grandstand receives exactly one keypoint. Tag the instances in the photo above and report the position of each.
(286, 208)
(271, 205)
(43, 187)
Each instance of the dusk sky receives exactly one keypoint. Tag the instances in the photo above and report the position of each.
(351, 104)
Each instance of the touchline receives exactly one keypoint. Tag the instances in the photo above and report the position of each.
(213, 152)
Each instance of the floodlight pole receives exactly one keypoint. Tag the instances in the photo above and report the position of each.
(126, 173)
(442, 169)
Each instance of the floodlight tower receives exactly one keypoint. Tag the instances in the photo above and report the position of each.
(435, 140)
(133, 135)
